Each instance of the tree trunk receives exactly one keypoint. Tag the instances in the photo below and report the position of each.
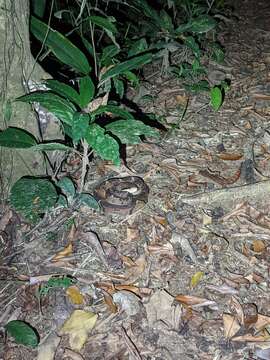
(17, 67)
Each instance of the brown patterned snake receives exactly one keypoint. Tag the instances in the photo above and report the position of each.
(119, 195)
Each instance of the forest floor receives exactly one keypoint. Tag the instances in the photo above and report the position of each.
(186, 275)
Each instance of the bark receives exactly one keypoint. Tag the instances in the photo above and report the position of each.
(17, 67)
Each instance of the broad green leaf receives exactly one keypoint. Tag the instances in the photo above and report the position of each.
(38, 7)
(63, 90)
(88, 200)
(88, 46)
(22, 333)
(7, 110)
(202, 24)
(216, 98)
(132, 78)
(137, 47)
(199, 86)
(16, 138)
(148, 11)
(105, 23)
(62, 48)
(80, 126)
(32, 197)
(61, 108)
(191, 43)
(51, 146)
(182, 28)
(128, 65)
(67, 186)
(87, 91)
(129, 131)
(108, 54)
(166, 21)
(119, 87)
(103, 144)
(116, 110)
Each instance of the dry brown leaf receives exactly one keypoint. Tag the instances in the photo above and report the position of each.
(250, 314)
(237, 309)
(136, 271)
(77, 326)
(67, 251)
(181, 99)
(194, 301)
(262, 322)
(46, 350)
(230, 156)
(251, 338)
(75, 295)
(231, 325)
(258, 246)
(112, 307)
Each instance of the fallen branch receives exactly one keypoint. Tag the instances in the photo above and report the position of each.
(229, 197)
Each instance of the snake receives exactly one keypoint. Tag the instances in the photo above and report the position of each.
(119, 195)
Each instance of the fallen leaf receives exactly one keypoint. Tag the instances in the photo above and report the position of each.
(258, 246)
(161, 307)
(230, 156)
(195, 301)
(231, 325)
(128, 301)
(237, 309)
(196, 278)
(47, 349)
(108, 299)
(262, 322)
(74, 295)
(77, 326)
(251, 338)
(250, 314)
(67, 251)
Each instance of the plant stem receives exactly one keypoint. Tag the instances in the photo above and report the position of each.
(85, 163)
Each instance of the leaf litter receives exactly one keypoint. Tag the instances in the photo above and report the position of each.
(186, 275)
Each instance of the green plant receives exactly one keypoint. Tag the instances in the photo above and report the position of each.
(56, 283)
(22, 333)
(80, 111)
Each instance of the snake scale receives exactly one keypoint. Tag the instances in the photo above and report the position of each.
(119, 195)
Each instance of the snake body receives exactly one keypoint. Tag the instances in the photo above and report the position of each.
(119, 195)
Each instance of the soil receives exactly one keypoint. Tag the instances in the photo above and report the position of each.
(186, 275)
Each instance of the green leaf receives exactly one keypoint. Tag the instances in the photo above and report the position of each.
(199, 86)
(202, 24)
(32, 197)
(23, 333)
(87, 91)
(166, 21)
(16, 138)
(108, 54)
(88, 200)
(138, 47)
(191, 43)
(105, 23)
(114, 109)
(216, 98)
(132, 78)
(54, 103)
(62, 48)
(7, 110)
(51, 146)
(104, 145)
(119, 87)
(67, 186)
(63, 90)
(128, 65)
(129, 131)
(80, 126)
(88, 46)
